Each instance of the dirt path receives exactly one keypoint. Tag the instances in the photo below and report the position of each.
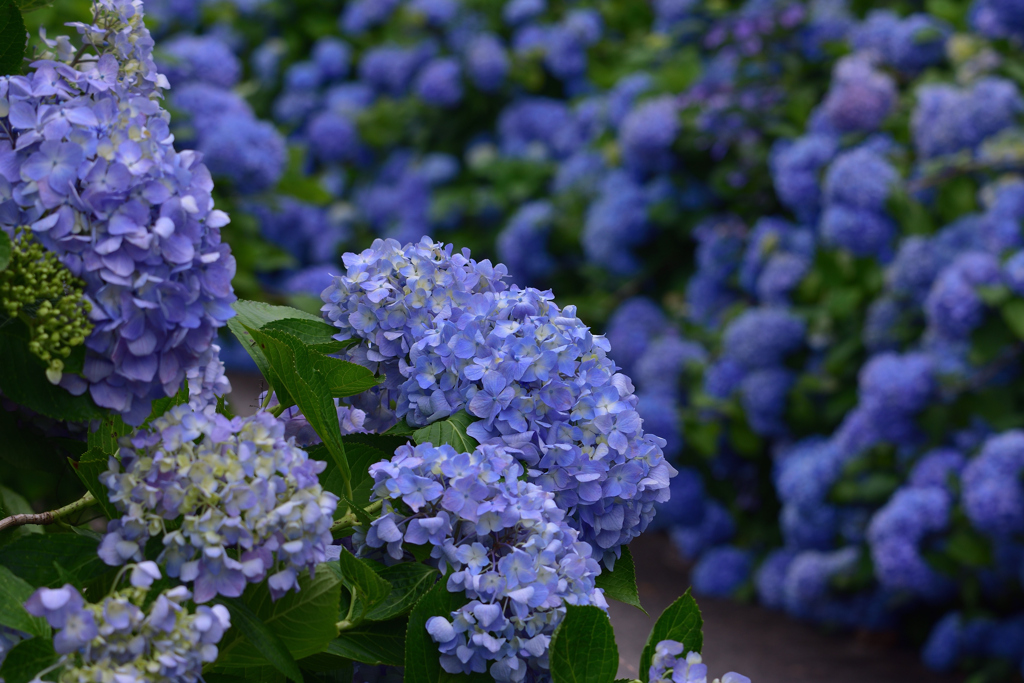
(764, 645)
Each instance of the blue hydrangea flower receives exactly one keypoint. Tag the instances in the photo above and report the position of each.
(762, 337)
(311, 234)
(332, 57)
(809, 576)
(507, 542)
(248, 152)
(361, 15)
(896, 533)
(615, 222)
(439, 83)
(668, 665)
(948, 119)
(811, 526)
(777, 256)
(631, 327)
(953, 306)
(997, 18)
(155, 270)
(909, 44)
(771, 576)
(251, 503)
(993, 497)
(203, 59)
(795, 167)
(715, 527)
(861, 178)
(647, 134)
(449, 336)
(721, 571)
(522, 245)
(861, 232)
(487, 62)
(937, 468)
(389, 69)
(125, 638)
(955, 638)
(519, 11)
(662, 364)
(860, 96)
(763, 395)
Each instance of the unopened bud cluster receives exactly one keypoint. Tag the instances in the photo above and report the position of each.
(36, 287)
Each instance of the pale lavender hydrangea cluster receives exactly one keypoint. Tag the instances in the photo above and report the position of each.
(507, 542)
(87, 161)
(250, 501)
(670, 666)
(124, 639)
(449, 336)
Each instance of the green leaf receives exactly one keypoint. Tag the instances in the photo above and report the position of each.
(256, 314)
(583, 647)
(422, 659)
(31, 5)
(296, 182)
(970, 548)
(89, 468)
(23, 378)
(451, 431)
(400, 429)
(373, 642)
(13, 38)
(359, 576)
(266, 642)
(5, 251)
(344, 378)
(13, 594)
(32, 558)
(326, 661)
(409, 582)
(304, 621)
(316, 334)
(621, 584)
(295, 376)
(681, 621)
(252, 674)
(26, 659)
(162, 405)
(1013, 314)
(360, 456)
(385, 443)
(105, 437)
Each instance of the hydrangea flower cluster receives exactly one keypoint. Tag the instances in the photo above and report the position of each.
(449, 336)
(669, 665)
(129, 637)
(509, 546)
(236, 145)
(839, 340)
(90, 168)
(549, 116)
(251, 504)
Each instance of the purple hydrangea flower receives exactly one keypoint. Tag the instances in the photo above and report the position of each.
(238, 485)
(123, 210)
(449, 336)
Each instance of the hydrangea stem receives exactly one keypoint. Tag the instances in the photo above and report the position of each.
(350, 518)
(48, 517)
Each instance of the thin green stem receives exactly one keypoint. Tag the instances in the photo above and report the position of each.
(351, 519)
